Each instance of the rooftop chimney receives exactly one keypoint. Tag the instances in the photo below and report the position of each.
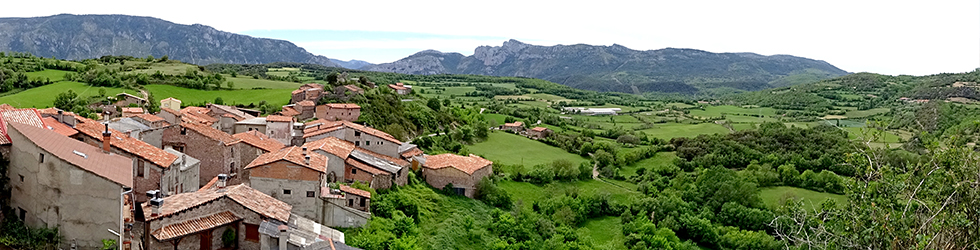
(156, 203)
(307, 160)
(105, 138)
(152, 194)
(222, 180)
(304, 150)
(283, 236)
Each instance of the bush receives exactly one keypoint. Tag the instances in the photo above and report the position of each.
(489, 193)
(228, 237)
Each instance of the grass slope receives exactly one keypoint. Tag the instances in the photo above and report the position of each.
(667, 131)
(511, 149)
(246, 82)
(51, 74)
(277, 97)
(775, 196)
(660, 160)
(43, 97)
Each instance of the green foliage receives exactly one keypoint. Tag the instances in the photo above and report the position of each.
(13, 233)
(488, 192)
(108, 244)
(228, 237)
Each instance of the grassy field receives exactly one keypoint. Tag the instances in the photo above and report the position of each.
(857, 134)
(43, 97)
(660, 160)
(865, 113)
(277, 97)
(514, 149)
(716, 111)
(52, 74)
(247, 82)
(529, 193)
(166, 68)
(670, 130)
(775, 196)
(606, 232)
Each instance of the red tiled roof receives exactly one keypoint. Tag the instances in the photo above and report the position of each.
(208, 186)
(115, 168)
(259, 140)
(467, 164)
(332, 145)
(297, 91)
(25, 116)
(292, 154)
(132, 110)
(195, 225)
(353, 88)
(343, 105)
(307, 103)
(197, 115)
(59, 127)
(321, 127)
(246, 196)
(515, 124)
(354, 191)
(6, 107)
(365, 167)
(288, 111)
(123, 142)
(168, 110)
(279, 118)
(150, 117)
(397, 87)
(539, 129)
(412, 152)
(212, 133)
(49, 111)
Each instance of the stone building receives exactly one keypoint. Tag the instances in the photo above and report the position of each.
(60, 182)
(350, 163)
(292, 175)
(279, 128)
(464, 172)
(362, 136)
(516, 127)
(131, 111)
(170, 103)
(343, 207)
(151, 120)
(336, 151)
(307, 92)
(401, 88)
(539, 133)
(251, 145)
(215, 149)
(197, 220)
(125, 99)
(338, 111)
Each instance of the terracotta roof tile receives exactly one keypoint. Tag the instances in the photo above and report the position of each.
(371, 131)
(357, 164)
(332, 145)
(212, 133)
(150, 117)
(59, 127)
(342, 106)
(259, 140)
(354, 191)
(115, 168)
(467, 164)
(306, 103)
(168, 110)
(515, 124)
(279, 118)
(49, 111)
(195, 225)
(319, 127)
(123, 142)
(539, 129)
(412, 152)
(208, 186)
(6, 107)
(397, 87)
(294, 155)
(132, 110)
(288, 111)
(246, 196)
(25, 116)
(353, 88)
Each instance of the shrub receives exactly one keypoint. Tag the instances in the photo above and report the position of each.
(489, 193)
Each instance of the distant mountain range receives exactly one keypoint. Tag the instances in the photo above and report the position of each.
(352, 64)
(92, 36)
(618, 68)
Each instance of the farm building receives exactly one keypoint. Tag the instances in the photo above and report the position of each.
(539, 133)
(464, 172)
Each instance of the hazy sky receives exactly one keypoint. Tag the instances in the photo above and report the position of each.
(890, 37)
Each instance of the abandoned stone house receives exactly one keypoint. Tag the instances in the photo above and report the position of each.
(356, 198)
(538, 133)
(362, 136)
(293, 175)
(464, 172)
(151, 120)
(197, 220)
(307, 92)
(338, 111)
(346, 206)
(515, 127)
(59, 182)
(215, 149)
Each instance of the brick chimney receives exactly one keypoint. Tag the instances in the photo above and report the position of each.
(156, 203)
(222, 180)
(283, 236)
(307, 160)
(106, 136)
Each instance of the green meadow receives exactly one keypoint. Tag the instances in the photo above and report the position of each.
(276, 97)
(43, 97)
(775, 196)
(511, 149)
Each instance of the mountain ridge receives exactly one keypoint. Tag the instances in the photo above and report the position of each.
(76, 37)
(621, 69)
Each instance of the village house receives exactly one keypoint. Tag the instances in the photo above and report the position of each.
(516, 127)
(153, 168)
(171, 116)
(280, 128)
(336, 151)
(151, 120)
(59, 182)
(292, 175)
(401, 88)
(307, 92)
(464, 172)
(251, 145)
(538, 133)
(198, 115)
(10, 114)
(356, 198)
(58, 127)
(170, 103)
(362, 136)
(215, 149)
(197, 220)
(359, 164)
(131, 111)
(227, 116)
(125, 99)
(346, 206)
(338, 111)
(354, 89)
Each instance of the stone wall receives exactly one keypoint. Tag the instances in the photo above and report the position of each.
(438, 178)
(193, 241)
(337, 214)
(303, 205)
(281, 131)
(371, 142)
(216, 157)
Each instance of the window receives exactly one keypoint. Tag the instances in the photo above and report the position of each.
(139, 168)
(353, 171)
(357, 133)
(183, 131)
(21, 178)
(310, 194)
(460, 191)
(350, 202)
(367, 143)
(40, 158)
(232, 167)
(251, 232)
(23, 214)
(357, 143)
(362, 202)
(287, 191)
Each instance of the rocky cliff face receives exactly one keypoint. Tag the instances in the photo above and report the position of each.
(618, 68)
(93, 36)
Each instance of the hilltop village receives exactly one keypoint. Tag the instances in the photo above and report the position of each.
(213, 177)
